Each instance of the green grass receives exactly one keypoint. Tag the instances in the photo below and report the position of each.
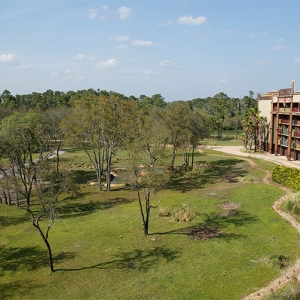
(225, 141)
(99, 246)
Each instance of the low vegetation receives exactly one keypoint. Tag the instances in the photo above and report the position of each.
(290, 292)
(225, 235)
(289, 177)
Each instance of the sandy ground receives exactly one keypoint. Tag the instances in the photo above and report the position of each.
(293, 271)
(239, 150)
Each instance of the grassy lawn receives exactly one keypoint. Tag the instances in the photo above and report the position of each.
(101, 252)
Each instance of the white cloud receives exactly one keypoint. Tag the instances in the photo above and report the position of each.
(9, 59)
(168, 64)
(81, 77)
(83, 57)
(148, 56)
(54, 74)
(69, 71)
(167, 23)
(131, 71)
(93, 13)
(229, 31)
(121, 47)
(279, 40)
(188, 20)
(275, 48)
(109, 64)
(225, 80)
(150, 72)
(105, 7)
(297, 60)
(260, 62)
(124, 12)
(143, 43)
(122, 38)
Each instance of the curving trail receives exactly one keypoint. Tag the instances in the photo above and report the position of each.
(294, 270)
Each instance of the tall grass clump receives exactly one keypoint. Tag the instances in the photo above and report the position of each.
(293, 204)
(290, 292)
(183, 214)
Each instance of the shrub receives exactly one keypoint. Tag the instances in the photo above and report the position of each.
(287, 176)
(279, 261)
(183, 214)
(202, 168)
(291, 291)
(164, 212)
(293, 203)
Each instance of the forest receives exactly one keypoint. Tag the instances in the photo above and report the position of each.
(225, 111)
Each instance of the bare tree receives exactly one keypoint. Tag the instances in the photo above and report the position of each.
(37, 184)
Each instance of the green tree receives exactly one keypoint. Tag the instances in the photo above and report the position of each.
(174, 120)
(219, 111)
(146, 154)
(100, 126)
(253, 125)
(35, 181)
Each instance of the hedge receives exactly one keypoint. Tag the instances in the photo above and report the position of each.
(289, 177)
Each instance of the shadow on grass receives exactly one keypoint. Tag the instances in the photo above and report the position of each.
(74, 209)
(11, 221)
(241, 218)
(29, 258)
(14, 289)
(136, 259)
(224, 170)
(83, 176)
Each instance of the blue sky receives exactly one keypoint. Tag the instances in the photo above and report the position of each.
(181, 49)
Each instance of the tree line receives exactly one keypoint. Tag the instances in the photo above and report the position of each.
(226, 112)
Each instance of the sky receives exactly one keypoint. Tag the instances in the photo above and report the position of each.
(181, 49)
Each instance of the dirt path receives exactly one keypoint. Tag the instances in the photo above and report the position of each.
(293, 271)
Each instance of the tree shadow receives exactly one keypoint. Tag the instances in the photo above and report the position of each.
(16, 288)
(11, 221)
(136, 259)
(241, 218)
(73, 209)
(29, 258)
(223, 169)
(82, 176)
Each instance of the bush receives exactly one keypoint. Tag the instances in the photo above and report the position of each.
(202, 168)
(183, 214)
(279, 261)
(290, 292)
(287, 176)
(164, 212)
(293, 203)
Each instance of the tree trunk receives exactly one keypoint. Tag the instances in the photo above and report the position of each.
(45, 239)
(146, 225)
(57, 158)
(108, 165)
(146, 218)
(193, 153)
(173, 157)
(99, 184)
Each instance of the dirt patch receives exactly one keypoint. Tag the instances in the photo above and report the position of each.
(228, 209)
(204, 232)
